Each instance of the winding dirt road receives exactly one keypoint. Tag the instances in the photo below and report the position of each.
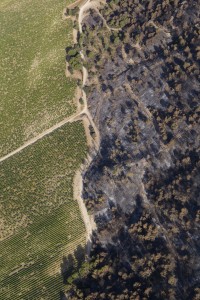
(84, 8)
(92, 4)
(88, 220)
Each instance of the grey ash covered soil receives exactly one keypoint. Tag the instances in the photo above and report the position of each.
(143, 184)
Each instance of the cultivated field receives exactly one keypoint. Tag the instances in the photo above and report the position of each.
(34, 92)
(40, 221)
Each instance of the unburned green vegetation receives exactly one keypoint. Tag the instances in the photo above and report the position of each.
(34, 92)
(40, 221)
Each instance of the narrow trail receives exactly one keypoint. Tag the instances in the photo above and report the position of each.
(85, 75)
(71, 119)
(83, 8)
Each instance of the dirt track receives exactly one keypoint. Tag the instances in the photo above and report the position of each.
(88, 220)
(71, 119)
(92, 4)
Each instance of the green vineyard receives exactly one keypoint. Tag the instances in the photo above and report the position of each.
(40, 220)
(34, 92)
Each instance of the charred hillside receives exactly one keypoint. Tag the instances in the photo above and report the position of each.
(143, 185)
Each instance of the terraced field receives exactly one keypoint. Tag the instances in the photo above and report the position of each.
(40, 221)
(34, 92)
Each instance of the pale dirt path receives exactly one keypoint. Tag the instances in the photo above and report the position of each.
(87, 113)
(88, 220)
(83, 8)
(92, 4)
(89, 117)
(75, 34)
(71, 119)
(85, 75)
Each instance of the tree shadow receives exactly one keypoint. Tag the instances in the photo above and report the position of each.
(72, 263)
(79, 255)
(75, 265)
(63, 296)
(67, 267)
